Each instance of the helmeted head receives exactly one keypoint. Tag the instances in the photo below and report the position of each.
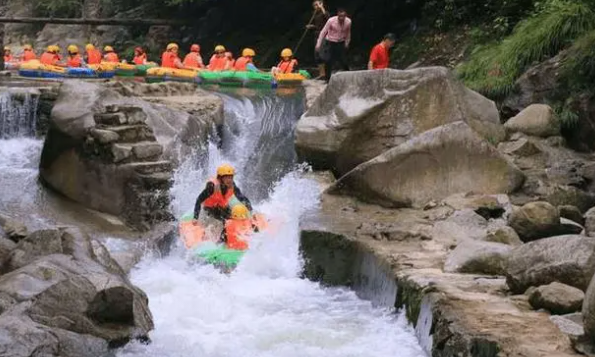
(287, 53)
(225, 174)
(172, 47)
(6, 49)
(220, 50)
(248, 52)
(72, 49)
(53, 49)
(28, 47)
(240, 212)
(195, 48)
(89, 47)
(108, 49)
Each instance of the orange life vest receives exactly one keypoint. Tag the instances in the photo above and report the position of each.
(168, 59)
(237, 232)
(140, 59)
(287, 66)
(74, 61)
(217, 199)
(112, 57)
(218, 63)
(29, 55)
(7, 58)
(241, 64)
(94, 56)
(193, 60)
(49, 58)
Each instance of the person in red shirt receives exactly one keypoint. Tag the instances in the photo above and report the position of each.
(380, 55)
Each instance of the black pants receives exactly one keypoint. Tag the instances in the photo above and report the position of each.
(220, 214)
(337, 58)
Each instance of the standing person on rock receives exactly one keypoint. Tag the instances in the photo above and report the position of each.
(220, 195)
(380, 55)
(337, 34)
(319, 19)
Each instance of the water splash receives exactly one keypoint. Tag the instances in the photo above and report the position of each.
(18, 114)
(262, 308)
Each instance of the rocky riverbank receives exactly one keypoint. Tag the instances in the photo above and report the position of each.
(479, 230)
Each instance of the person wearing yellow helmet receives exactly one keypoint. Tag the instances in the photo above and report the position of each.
(28, 53)
(94, 56)
(193, 59)
(246, 62)
(74, 58)
(51, 56)
(219, 61)
(220, 195)
(288, 64)
(110, 55)
(170, 58)
(7, 54)
(238, 228)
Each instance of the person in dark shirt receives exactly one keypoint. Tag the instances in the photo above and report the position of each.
(319, 19)
(219, 195)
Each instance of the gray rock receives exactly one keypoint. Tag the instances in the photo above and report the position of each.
(570, 227)
(557, 298)
(476, 257)
(589, 310)
(52, 266)
(559, 195)
(504, 235)
(13, 230)
(104, 136)
(535, 220)
(460, 226)
(535, 120)
(572, 213)
(571, 324)
(521, 147)
(566, 259)
(590, 222)
(121, 152)
(147, 150)
(391, 107)
(434, 165)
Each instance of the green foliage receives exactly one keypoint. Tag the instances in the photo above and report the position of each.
(566, 116)
(493, 69)
(578, 67)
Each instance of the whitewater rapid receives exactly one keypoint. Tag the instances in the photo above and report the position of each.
(263, 308)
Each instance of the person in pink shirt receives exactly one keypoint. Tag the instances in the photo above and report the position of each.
(337, 35)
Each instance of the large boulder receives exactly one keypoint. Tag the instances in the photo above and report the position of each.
(568, 259)
(361, 114)
(114, 154)
(54, 266)
(535, 120)
(535, 220)
(440, 162)
(557, 298)
(477, 257)
(589, 310)
(590, 222)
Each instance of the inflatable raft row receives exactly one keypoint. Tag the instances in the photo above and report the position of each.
(152, 74)
(226, 78)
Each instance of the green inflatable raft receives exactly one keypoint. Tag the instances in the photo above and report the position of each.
(250, 79)
(210, 252)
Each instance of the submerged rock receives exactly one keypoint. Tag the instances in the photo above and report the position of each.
(557, 298)
(440, 162)
(568, 259)
(362, 114)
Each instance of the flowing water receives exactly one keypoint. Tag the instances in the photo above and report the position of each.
(263, 308)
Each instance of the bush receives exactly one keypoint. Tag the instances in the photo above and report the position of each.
(493, 69)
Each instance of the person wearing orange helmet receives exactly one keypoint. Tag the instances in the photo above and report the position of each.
(220, 195)
(140, 57)
(194, 59)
